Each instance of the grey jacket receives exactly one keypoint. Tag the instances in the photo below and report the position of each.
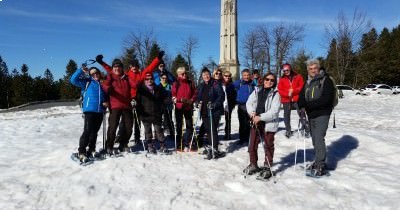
(272, 108)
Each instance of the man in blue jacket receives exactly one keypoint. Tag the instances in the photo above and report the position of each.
(244, 87)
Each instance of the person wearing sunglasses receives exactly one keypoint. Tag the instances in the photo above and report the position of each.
(167, 110)
(183, 95)
(217, 75)
(161, 70)
(151, 99)
(209, 100)
(263, 107)
(290, 85)
(229, 102)
(93, 107)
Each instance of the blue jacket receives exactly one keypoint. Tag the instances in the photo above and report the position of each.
(243, 89)
(157, 75)
(216, 96)
(94, 96)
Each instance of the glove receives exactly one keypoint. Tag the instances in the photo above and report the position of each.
(160, 55)
(302, 113)
(210, 105)
(99, 59)
(198, 105)
(186, 101)
(133, 103)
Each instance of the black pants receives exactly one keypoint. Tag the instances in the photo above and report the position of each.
(167, 120)
(212, 134)
(91, 126)
(179, 114)
(244, 123)
(287, 108)
(126, 117)
(148, 134)
(136, 125)
(228, 117)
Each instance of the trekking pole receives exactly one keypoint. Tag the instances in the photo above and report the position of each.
(334, 121)
(104, 129)
(265, 152)
(295, 154)
(211, 128)
(194, 131)
(140, 127)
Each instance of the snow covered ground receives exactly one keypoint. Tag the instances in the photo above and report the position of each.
(364, 151)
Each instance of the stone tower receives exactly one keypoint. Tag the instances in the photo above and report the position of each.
(228, 58)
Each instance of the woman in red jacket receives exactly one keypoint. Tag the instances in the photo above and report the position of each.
(183, 95)
(289, 87)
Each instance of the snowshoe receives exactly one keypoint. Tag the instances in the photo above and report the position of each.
(251, 169)
(217, 154)
(289, 134)
(317, 170)
(265, 174)
(81, 159)
(164, 151)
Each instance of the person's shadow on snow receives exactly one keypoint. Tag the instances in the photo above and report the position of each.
(336, 151)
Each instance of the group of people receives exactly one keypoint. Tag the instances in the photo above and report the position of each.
(148, 97)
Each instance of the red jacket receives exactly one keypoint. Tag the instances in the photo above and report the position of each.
(135, 78)
(118, 89)
(182, 89)
(294, 81)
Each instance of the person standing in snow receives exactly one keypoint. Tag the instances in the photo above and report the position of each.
(244, 87)
(150, 100)
(290, 85)
(210, 98)
(93, 106)
(183, 95)
(316, 98)
(168, 124)
(263, 107)
(161, 70)
(229, 102)
(118, 88)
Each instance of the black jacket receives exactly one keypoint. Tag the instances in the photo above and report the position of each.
(317, 96)
(149, 105)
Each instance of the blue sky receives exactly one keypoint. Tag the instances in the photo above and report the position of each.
(47, 33)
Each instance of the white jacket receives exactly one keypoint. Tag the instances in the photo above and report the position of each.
(272, 108)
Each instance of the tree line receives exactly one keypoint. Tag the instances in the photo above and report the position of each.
(357, 54)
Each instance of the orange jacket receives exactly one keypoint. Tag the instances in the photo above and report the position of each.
(294, 81)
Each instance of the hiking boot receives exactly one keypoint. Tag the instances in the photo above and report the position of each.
(288, 134)
(83, 158)
(125, 149)
(251, 169)
(151, 149)
(265, 173)
(217, 154)
(307, 134)
(163, 150)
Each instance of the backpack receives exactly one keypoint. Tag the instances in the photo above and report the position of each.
(336, 94)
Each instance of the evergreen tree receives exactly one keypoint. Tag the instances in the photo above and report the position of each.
(5, 82)
(155, 49)
(179, 61)
(22, 86)
(129, 57)
(67, 90)
(299, 62)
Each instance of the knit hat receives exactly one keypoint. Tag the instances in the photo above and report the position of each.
(117, 62)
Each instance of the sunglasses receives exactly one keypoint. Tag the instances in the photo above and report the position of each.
(117, 66)
(163, 78)
(148, 79)
(217, 73)
(182, 74)
(268, 79)
(285, 70)
(227, 76)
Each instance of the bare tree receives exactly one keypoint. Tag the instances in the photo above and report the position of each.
(190, 44)
(347, 34)
(283, 39)
(251, 46)
(141, 42)
(262, 46)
